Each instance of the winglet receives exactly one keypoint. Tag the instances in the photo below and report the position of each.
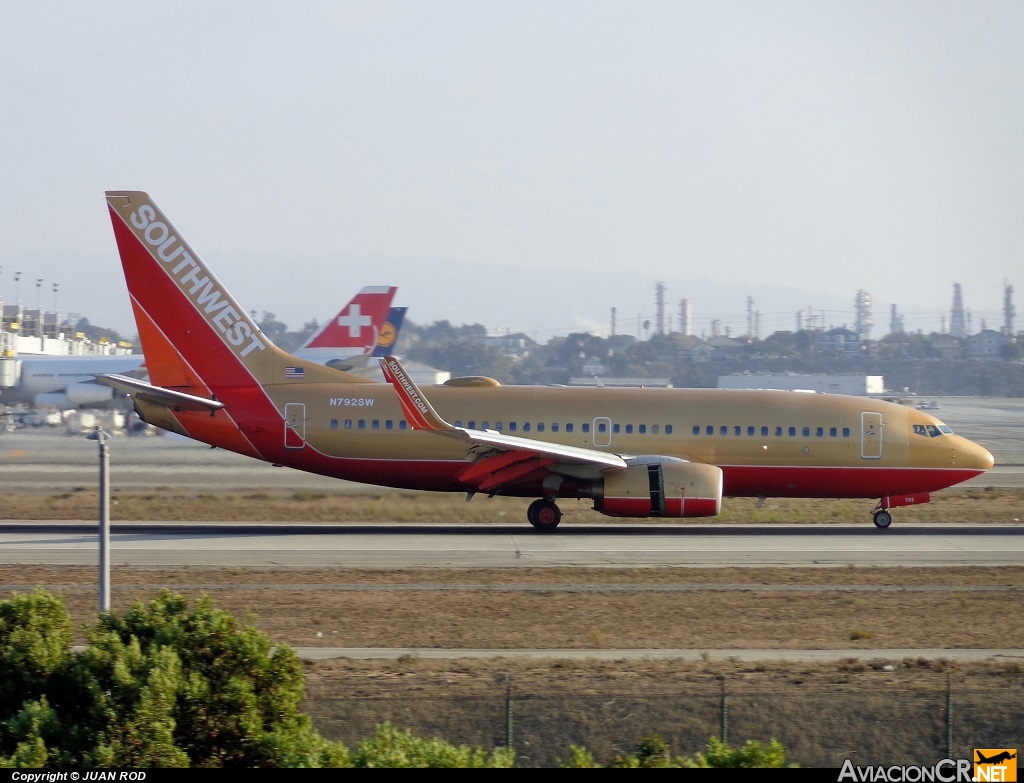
(418, 411)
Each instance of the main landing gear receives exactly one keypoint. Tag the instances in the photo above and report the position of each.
(544, 514)
(882, 518)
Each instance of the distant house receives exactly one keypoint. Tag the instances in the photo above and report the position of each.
(986, 344)
(840, 339)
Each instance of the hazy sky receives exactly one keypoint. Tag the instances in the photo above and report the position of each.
(525, 165)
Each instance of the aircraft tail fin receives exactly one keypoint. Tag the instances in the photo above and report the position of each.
(355, 330)
(193, 333)
(389, 333)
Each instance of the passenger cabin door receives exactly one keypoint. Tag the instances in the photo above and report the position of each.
(294, 425)
(871, 429)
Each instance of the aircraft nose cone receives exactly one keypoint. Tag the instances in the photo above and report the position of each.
(977, 457)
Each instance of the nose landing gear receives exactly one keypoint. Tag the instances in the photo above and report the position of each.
(544, 514)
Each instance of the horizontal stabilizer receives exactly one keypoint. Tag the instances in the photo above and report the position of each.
(179, 401)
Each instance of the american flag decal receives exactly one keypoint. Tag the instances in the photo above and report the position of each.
(292, 372)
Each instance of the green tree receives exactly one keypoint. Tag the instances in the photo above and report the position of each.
(164, 685)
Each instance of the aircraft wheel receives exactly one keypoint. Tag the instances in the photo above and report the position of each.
(544, 514)
(882, 519)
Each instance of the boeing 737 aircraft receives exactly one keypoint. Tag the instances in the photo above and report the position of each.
(637, 452)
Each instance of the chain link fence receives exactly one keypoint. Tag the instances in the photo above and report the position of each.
(818, 727)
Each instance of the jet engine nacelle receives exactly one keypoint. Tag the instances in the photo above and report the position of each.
(664, 489)
(76, 395)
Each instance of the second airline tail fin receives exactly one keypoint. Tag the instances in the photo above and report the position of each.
(389, 333)
(355, 331)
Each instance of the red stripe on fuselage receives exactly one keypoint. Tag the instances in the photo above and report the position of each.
(836, 482)
(739, 481)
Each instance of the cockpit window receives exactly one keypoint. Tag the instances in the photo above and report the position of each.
(932, 430)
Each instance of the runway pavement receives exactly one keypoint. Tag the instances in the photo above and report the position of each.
(475, 546)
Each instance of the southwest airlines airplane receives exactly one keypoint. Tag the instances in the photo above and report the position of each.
(634, 452)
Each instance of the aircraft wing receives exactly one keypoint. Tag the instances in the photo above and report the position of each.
(179, 401)
(501, 458)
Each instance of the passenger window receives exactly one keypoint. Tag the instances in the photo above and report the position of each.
(696, 429)
(654, 429)
(615, 428)
(485, 425)
(764, 432)
(586, 427)
(602, 427)
(723, 430)
(668, 429)
(499, 426)
(568, 427)
(458, 423)
(540, 426)
(629, 429)
(643, 429)
(471, 425)
(554, 427)
(362, 424)
(792, 432)
(846, 432)
(511, 426)
(750, 431)
(403, 425)
(376, 424)
(832, 431)
(526, 426)
(778, 432)
(820, 432)
(389, 425)
(334, 424)
(348, 424)
(737, 430)
(807, 432)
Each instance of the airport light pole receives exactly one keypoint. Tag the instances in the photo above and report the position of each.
(101, 438)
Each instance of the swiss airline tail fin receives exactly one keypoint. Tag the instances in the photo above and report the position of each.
(194, 335)
(355, 330)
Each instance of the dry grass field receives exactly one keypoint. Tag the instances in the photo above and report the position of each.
(988, 504)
